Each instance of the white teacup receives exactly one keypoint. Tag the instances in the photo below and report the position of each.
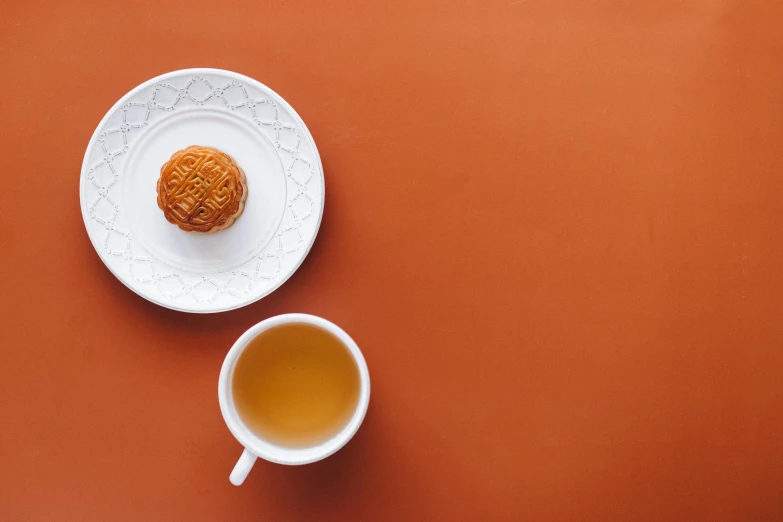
(257, 447)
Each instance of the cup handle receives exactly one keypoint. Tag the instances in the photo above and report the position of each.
(242, 467)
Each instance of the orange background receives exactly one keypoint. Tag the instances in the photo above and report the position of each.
(553, 226)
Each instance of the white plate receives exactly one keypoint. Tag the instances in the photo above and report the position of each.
(188, 271)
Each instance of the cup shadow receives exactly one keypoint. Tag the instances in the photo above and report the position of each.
(317, 487)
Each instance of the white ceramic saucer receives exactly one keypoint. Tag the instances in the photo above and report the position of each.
(188, 271)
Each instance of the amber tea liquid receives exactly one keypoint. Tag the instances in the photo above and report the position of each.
(296, 385)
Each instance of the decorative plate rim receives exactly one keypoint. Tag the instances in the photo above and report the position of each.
(201, 71)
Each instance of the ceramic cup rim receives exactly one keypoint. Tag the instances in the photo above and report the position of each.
(265, 449)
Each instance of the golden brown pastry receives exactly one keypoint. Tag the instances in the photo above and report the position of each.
(201, 189)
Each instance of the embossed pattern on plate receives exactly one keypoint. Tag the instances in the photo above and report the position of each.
(196, 272)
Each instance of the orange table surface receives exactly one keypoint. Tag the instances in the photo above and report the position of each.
(554, 227)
